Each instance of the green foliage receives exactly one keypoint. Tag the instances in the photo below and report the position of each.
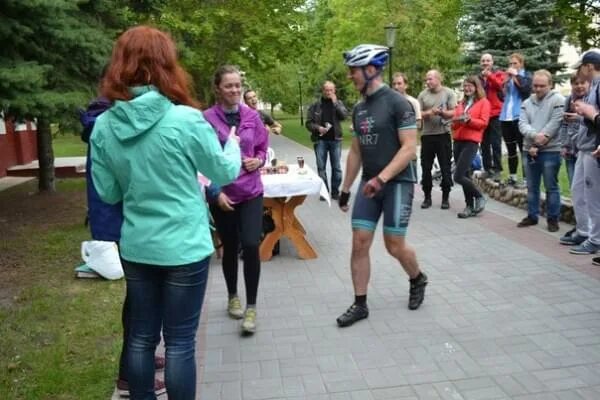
(501, 27)
(426, 38)
(57, 50)
(581, 21)
(68, 145)
(254, 35)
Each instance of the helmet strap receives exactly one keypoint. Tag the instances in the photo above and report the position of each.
(368, 79)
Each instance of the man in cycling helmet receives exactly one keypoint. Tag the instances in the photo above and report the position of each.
(383, 146)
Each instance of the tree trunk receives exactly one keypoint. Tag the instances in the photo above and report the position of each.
(45, 156)
(584, 30)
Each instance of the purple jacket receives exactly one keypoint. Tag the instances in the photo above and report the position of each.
(254, 141)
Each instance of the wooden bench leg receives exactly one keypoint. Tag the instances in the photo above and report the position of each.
(266, 247)
(293, 229)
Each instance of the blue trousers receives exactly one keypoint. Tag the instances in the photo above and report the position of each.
(171, 298)
(544, 166)
(333, 148)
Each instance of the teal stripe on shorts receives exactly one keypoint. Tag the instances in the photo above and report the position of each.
(397, 207)
(401, 231)
(364, 225)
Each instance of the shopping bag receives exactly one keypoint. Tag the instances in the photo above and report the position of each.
(102, 257)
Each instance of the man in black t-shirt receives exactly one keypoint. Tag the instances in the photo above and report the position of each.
(323, 122)
(384, 146)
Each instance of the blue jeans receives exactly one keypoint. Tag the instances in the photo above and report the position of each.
(171, 298)
(334, 149)
(546, 166)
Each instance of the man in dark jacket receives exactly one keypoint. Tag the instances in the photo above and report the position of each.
(323, 122)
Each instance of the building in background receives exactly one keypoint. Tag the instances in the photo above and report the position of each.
(18, 144)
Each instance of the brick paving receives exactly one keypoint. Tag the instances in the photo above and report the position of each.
(508, 314)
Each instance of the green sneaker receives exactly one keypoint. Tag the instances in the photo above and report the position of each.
(234, 308)
(249, 324)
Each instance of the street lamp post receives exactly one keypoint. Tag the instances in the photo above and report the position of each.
(390, 39)
(300, 77)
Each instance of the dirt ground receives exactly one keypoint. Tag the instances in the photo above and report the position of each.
(23, 211)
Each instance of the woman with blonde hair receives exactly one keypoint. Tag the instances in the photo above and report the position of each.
(147, 150)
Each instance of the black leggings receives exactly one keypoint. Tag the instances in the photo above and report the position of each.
(464, 153)
(242, 226)
(512, 139)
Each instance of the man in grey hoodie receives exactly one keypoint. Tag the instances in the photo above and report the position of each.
(539, 122)
(585, 189)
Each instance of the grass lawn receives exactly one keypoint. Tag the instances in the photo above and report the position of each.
(68, 145)
(563, 180)
(59, 337)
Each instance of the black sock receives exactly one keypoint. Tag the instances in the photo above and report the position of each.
(361, 300)
(416, 278)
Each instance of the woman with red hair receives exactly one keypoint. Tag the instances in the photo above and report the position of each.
(471, 117)
(147, 150)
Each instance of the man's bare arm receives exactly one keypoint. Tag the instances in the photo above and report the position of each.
(353, 164)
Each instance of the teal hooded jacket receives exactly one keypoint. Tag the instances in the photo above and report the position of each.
(147, 152)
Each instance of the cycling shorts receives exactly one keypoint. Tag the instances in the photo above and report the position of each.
(394, 201)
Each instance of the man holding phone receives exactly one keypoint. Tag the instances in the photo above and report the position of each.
(323, 123)
(585, 190)
(437, 103)
(568, 132)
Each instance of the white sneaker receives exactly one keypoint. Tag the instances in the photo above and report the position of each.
(249, 324)
(234, 308)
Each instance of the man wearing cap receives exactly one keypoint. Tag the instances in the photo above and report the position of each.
(323, 122)
(585, 188)
(383, 146)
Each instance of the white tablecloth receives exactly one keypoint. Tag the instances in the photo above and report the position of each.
(294, 184)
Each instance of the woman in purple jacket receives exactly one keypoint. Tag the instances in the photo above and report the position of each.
(238, 207)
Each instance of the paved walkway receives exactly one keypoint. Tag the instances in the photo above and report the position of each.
(509, 314)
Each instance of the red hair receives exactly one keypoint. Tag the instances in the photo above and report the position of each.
(146, 56)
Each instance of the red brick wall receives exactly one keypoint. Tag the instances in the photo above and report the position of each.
(17, 147)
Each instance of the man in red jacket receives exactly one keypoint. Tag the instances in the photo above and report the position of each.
(491, 146)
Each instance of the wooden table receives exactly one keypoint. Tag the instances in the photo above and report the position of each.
(283, 193)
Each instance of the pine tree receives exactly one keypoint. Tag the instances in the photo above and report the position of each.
(50, 62)
(502, 27)
(581, 19)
